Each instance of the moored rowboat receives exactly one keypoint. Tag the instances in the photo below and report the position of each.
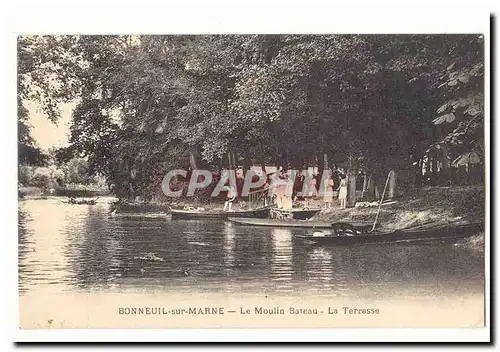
(219, 214)
(439, 233)
(298, 223)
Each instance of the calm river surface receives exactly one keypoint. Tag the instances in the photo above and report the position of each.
(79, 248)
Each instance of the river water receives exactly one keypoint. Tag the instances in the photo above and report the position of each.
(79, 248)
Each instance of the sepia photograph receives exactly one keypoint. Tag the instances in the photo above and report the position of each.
(251, 181)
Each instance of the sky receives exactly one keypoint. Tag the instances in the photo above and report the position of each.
(46, 133)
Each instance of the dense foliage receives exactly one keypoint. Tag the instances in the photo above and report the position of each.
(147, 104)
(56, 174)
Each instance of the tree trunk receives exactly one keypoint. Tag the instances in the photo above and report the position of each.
(246, 163)
(262, 158)
(376, 189)
(444, 157)
(231, 161)
(286, 160)
(418, 174)
(321, 165)
(370, 188)
(325, 161)
(365, 183)
(411, 178)
(331, 162)
(192, 161)
(434, 163)
(391, 187)
(131, 192)
(427, 162)
(351, 189)
(445, 170)
(235, 162)
(277, 159)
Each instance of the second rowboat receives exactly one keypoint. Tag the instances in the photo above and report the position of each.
(218, 214)
(299, 223)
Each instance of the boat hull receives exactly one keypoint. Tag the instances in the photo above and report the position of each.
(441, 234)
(294, 223)
(187, 214)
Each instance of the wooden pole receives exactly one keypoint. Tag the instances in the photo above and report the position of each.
(381, 200)
(351, 189)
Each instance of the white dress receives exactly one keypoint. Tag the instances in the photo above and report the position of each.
(343, 189)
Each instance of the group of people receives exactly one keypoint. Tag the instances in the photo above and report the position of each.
(281, 193)
(341, 189)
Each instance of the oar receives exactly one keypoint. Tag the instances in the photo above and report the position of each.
(381, 200)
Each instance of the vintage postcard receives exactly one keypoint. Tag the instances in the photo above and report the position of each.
(252, 181)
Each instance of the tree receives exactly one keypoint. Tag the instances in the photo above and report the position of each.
(47, 68)
(148, 104)
(77, 171)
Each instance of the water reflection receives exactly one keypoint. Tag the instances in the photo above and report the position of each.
(79, 247)
(281, 261)
(326, 274)
(229, 246)
(43, 247)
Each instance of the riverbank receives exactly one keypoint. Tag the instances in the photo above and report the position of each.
(155, 206)
(76, 191)
(430, 205)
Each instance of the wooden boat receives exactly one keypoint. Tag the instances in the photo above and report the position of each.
(294, 223)
(72, 200)
(219, 214)
(294, 213)
(446, 233)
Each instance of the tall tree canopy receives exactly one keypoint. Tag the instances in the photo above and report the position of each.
(147, 104)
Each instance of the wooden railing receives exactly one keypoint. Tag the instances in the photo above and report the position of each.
(257, 199)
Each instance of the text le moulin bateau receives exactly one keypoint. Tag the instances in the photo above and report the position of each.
(260, 310)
